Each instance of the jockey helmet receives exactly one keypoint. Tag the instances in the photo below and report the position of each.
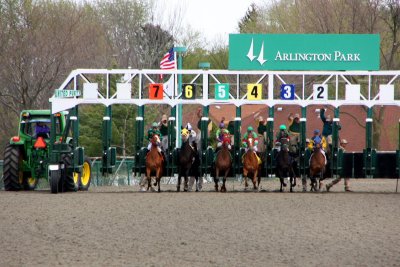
(185, 131)
(154, 125)
(282, 127)
(189, 126)
(222, 125)
(317, 140)
(297, 116)
(308, 140)
(250, 129)
(316, 131)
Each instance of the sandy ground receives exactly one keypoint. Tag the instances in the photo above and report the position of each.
(119, 226)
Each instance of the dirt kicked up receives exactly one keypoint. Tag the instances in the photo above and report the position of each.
(119, 226)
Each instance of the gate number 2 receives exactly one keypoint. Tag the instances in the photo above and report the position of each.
(320, 91)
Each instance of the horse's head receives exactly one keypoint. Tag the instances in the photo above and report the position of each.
(155, 139)
(250, 143)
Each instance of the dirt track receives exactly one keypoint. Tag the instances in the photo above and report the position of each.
(114, 226)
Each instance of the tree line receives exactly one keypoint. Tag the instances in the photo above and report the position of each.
(43, 40)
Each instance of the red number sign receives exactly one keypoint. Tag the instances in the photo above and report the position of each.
(156, 91)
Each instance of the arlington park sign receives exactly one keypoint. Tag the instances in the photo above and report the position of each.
(304, 51)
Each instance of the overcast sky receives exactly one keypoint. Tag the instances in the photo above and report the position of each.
(215, 19)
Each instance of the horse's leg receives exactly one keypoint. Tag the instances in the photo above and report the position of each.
(178, 186)
(185, 187)
(255, 174)
(158, 179)
(223, 188)
(216, 179)
(148, 177)
(246, 185)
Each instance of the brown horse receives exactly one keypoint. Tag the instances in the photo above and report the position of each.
(317, 167)
(154, 162)
(223, 162)
(250, 165)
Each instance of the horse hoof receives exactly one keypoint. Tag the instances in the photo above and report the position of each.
(178, 189)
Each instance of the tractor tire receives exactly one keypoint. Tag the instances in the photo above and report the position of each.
(12, 173)
(70, 178)
(86, 175)
(54, 181)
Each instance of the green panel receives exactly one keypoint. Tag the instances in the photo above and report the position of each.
(304, 51)
(222, 91)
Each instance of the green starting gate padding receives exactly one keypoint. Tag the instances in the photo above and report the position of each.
(369, 162)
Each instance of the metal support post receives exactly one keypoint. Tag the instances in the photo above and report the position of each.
(369, 153)
(336, 153)
(179, 51)
(304, 153)
(105, 167)
(237, 141)
(140, 153)
(270, 143)
(206, 156)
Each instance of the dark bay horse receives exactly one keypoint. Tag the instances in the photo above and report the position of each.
(251, 166)
(317, 167)
(185, 159)
(223, 162)
(284, 166)
(154, 162)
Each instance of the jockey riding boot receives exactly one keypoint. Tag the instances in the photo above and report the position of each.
(258, 158)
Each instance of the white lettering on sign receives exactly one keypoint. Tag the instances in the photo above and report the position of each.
(339, 56)
(336, 56)
(66, 93)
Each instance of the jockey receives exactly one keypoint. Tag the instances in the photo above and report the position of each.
(318, 139)
(220, 135)
(192, 136)
(151, 132)
(327, 126)
(294, 124)
(283, 133)
(251, 134)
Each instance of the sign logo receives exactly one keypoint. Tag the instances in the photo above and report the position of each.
(260, 57)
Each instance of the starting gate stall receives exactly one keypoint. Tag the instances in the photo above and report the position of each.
(222, 87)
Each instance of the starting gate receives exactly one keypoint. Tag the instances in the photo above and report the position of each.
(222, 87)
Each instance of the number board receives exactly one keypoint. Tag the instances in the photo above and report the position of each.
(222, 91)
(156, 91)
(320, 92)
(287, 91)
(189, 91)
(254, 91)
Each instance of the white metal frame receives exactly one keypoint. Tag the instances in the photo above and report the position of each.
(266, 77)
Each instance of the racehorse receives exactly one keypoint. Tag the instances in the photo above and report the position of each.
(317, 167)
(186, 158)
(154, 162)
(223, 162)
(284, 166)
(251, 166)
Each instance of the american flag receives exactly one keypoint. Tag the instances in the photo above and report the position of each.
(168, 60)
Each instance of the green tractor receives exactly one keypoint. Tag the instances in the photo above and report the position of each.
(27, 158)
